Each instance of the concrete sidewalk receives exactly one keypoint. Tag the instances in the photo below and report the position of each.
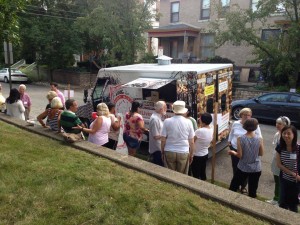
(253, 207)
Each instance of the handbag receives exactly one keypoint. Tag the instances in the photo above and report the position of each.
(71, 138)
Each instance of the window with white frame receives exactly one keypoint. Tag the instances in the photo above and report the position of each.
(225, 4)
(174, 12)
(205, 10)
(207, 45)
(254, 4)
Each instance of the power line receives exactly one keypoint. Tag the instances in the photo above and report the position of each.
(53, 9)
(45, 15)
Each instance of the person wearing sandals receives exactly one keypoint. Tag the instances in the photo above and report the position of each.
(236, 131)
(288, 161)
(51, 114)
(281, 122)
(249, 150)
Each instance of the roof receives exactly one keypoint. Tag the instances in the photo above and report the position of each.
(150, 68)
(178, 29)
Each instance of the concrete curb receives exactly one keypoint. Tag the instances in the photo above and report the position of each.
(253, 207)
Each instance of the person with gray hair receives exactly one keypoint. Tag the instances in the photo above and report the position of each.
(25, 100)
(155, 128)
(281, 122)
(236, 131)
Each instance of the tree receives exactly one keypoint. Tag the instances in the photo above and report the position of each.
(9, 23)
(48, 35)
(118, 27)
(280, 53)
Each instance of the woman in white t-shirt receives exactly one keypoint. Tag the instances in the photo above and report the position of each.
(203, 138)
(14, 105)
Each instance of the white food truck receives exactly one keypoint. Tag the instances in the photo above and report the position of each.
(204, 87)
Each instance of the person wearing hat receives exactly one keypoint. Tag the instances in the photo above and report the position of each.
(177, 140)
(100, 127)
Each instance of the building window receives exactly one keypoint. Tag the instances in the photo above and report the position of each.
(174, 12)
(205, 10)
(254, 5)
(207, 46)
(225, 4)
(270, 34)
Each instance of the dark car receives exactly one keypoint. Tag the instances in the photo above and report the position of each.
(269, 107)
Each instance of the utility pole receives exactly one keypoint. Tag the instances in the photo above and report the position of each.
(8, 55)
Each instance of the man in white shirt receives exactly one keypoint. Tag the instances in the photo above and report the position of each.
(155, 128)
(177, 141)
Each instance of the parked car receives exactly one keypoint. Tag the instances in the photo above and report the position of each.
(269, 107)
(16, 75)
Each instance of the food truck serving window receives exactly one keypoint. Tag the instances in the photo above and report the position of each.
(154, 89)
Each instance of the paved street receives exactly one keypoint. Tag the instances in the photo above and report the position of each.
(223, 171)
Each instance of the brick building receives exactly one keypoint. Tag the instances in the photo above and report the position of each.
(183, 30)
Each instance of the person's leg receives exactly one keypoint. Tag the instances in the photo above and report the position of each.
(170, 160)
(253, 179)
(131, 151)
(292, 196)
(237, 179)
(277, 188)
(182, 164)
(157, 159)
(203, 160)
(195, 167)
(283, 193)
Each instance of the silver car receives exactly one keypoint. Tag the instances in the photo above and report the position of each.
(16, 75)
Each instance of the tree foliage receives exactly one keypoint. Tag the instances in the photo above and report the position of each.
(48, 35)
(280, 53)
(118, 27)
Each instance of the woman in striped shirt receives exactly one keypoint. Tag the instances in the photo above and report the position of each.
(288, 162)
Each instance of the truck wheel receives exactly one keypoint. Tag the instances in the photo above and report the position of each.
(5, 80)
(236, 112)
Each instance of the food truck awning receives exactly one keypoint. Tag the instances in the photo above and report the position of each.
(148, 83)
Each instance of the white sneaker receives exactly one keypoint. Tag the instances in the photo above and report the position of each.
(272, 202)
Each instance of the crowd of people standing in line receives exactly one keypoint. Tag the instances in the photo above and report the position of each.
(179, 143)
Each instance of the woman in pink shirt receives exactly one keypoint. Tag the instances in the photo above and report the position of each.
(25, 99)
(100, 127)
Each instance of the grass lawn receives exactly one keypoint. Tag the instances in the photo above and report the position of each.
(43, 181)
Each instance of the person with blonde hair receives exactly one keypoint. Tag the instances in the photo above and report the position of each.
(50, 95)
(26, 100)
(52, 115)
(100, 127)
(236, 131)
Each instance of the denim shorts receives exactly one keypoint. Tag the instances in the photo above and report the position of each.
(131, 142)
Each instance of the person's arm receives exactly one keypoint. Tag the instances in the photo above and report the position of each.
(97, 125)
(141, 125)
(29, 104)
(239, 151)
(21, 106)
(163, 144)
(192, 149)
(154, 129)
(261, 147)
(115, 123)
(42, 116)
(282, 167)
